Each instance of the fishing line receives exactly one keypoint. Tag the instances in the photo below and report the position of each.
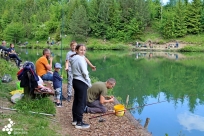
(127, 109)
(62, 25)
(136, 107)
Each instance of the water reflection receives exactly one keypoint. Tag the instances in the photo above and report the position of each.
(180, 82)
(168, 55)
(191, 121)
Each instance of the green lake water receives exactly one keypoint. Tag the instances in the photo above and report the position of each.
(171, 85)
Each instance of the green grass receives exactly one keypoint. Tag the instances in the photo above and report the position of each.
(91, 43)
(43, 105)
(29, 125)
(26, 123)
(192, 49)
(196, 39)
(7, 68)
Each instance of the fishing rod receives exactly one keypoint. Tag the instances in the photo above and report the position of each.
(133, 108)
(46, 114)
(126, 109)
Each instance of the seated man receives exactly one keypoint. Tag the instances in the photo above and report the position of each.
(3, 46)
(13, 54)
(43, 68)
(96, 96)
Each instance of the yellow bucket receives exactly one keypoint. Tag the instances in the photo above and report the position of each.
(119, 110)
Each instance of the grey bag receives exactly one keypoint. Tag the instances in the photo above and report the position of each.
(16, 97)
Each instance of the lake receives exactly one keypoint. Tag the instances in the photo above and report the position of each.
(166, 87)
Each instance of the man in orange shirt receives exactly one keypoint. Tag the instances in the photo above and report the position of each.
(43, 68)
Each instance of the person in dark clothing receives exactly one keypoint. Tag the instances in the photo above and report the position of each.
(3, 46)
(13, 54)
(57, 84)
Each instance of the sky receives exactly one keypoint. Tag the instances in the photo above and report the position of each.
(164, 1)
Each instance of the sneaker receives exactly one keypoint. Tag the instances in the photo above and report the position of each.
(58, 104)
(74, 123)
(69, 98)
(82, 125)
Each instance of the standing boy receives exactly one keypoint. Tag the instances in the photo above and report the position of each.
(73, 45)
(57, 84)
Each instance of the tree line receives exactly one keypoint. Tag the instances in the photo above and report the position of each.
(122, 20)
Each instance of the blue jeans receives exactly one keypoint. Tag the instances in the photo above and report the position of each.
(69, 83)
(57, 93)
(48, 76)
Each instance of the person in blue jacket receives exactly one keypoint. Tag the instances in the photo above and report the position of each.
(57, 84)
(12, 54)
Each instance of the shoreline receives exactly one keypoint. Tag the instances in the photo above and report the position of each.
(134, 121)
(113, 125)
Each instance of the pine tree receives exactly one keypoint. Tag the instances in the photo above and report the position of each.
(93, 16)
(202, 21)
(193, 17)
(168, 26)
(79, 23)
(115, 20)
(180, 23)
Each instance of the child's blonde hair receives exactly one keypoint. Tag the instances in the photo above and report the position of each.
(72, 43)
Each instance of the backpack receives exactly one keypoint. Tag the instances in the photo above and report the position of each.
(29, 64)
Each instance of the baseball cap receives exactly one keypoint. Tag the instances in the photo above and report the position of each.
(58, 65)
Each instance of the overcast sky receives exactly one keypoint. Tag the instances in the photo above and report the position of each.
(164, 1)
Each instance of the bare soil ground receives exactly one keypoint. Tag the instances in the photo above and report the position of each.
(113, 125)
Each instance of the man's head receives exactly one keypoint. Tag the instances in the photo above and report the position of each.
(46, 53)
(110, 83)
(4, 43)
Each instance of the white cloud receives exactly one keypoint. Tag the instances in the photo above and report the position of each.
(191, 121)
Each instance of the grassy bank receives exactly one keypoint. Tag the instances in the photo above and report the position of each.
(91, 43)
(25, 122)
(195, 48)
(195, 42)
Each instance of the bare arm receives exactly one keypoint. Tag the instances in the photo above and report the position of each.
(49, 66)
(103, 100)
(66, 65)
(92, 66)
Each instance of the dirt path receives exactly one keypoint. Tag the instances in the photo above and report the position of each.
(113, 125)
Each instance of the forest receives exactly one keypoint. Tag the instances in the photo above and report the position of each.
(120, 20)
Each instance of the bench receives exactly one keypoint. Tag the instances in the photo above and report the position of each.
(41, 92)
